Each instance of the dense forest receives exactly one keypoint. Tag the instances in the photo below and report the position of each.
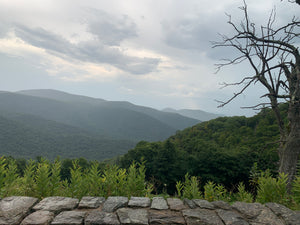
(223, 150)
(228, 158)
(226, 150)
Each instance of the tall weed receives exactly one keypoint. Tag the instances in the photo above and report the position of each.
(272, 189)
(190, 188)
(242, 195)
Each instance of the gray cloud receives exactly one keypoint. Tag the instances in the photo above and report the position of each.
(109, 29)
(89, 51)
(196, 34)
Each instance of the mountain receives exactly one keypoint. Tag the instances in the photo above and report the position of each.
(113, 118)
(51, 123)
(193, 113)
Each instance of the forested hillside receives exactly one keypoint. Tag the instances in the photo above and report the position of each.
(26, 136)
(222, 150)
(52, 123)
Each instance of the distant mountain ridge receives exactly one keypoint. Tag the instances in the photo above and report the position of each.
(36, 121)
(111, 118)
(194, 113)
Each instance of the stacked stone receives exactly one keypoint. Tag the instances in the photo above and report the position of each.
(140, 211)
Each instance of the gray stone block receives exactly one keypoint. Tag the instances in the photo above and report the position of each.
(69, 218)
(90, 202)
(56, 204)
(142, 202)
(190, 203)
(159, 203)
(14, 209)
(231, 217)
(175, 204)
(133, 216)
(165, 217)
(204, 204)
(39, 218)
(114, 203)
(201, 216)
(97, 218)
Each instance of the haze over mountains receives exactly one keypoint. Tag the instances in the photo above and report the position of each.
(51, 123)
(193, 113)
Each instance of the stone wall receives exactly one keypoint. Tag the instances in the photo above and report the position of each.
(142, 211)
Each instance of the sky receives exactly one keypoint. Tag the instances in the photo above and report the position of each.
(155, 53)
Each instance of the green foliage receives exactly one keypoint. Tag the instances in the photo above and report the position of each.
(27, 181)
(55, 178)
(11, 178)
(189, 189)
(222, 150)
(296, 189)
(94, 180)
(42, 179)
(77, 187)
(213, 192)
(242, 195)
(272, 189)
(2, 172)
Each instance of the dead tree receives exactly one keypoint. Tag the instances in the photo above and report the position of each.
(274, 57)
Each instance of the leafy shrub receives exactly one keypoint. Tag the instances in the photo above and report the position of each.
(190, 188)
(272, 189)
(296, 189)
(213, 192)
(41, 179)
(242, 195)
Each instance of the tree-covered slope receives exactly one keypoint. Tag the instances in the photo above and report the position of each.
(27, 136)
(222, 150)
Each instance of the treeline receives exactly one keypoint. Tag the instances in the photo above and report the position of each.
(222, 150)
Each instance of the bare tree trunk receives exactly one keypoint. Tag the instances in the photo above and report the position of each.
(290, 151)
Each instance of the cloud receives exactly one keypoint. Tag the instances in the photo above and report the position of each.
(110, 30)
(93, 50)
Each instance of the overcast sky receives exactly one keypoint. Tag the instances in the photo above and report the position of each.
(154, 53)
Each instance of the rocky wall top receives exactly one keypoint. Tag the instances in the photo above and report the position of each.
(140, 210)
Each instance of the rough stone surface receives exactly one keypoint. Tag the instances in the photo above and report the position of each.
(203, 204)
(175, 204)
(114, 203)
(139, 202)
(267, 217)
(221, 205)
(250, 210)
(97, 217)
(56, 204)
(165, 217)
(288, 215)
(190, 203)
(69, 218)
(14, 209)
(133, 216)
(231, 217)
(66, 211)
(39, 218)
(90, 202)
(201, 216)
(159, 203)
